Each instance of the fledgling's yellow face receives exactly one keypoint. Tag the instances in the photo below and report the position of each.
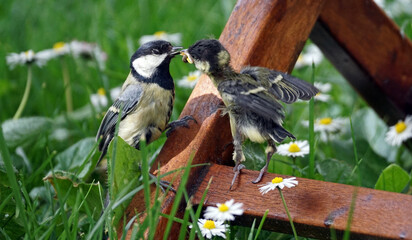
(208, 56)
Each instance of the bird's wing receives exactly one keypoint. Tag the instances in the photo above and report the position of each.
(125, 103)
(251, 97)
(283, 86)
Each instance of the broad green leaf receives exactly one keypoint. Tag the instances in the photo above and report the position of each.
(334, 170)
(24, 131)
(393, 179)
(69, 185)
(126, 171)
(76, 157)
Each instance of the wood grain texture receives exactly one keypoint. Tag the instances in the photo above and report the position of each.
(267, 33)
(376, 43)
(315, 206)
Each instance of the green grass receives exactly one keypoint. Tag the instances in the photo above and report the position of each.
(54, 141)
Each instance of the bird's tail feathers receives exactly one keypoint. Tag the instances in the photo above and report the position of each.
(279, 134)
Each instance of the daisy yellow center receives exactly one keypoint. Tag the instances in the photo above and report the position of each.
(325, 121)
(209, 224)
(101, 92)
(277, 180)
(159, 33)
(294, 148)
(300, 58)
(223, 208)
(58, 45)
(400, 127)
(191, 78)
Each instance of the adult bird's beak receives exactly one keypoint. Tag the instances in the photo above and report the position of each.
(175, 51)
(186, 56)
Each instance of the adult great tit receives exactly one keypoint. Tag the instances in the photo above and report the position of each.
(250, 97)
(146, 100)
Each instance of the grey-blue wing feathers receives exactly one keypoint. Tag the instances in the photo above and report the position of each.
(252, 98)
(284, 87)
(124, 104)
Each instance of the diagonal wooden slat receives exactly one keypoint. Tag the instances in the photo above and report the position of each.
(315, 206)
(369, 50)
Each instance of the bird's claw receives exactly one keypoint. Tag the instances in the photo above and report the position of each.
(262, 171)
(183, 122)
(163, 184)
(236, 169)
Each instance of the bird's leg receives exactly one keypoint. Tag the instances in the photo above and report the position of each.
(270, 150)
(238, 156)
(183, 122)
(162, 184)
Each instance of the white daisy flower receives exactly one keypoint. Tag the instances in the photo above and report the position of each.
(190, 80)
(115, 93)
(310, 54)
(329, 124)
(324, 88)
(400, 132)
(326, 126)
(210, 228)
(14, 59)
(88, 51)
(224, 211)
(278, 182)
(78, 48)
(99, 99)
(61, 48)
(294, 149)
(175, 38)
(46, 55)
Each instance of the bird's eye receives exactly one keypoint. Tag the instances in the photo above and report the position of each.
(155, 51)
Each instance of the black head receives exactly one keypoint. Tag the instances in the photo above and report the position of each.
(151, 56)
(208, 55)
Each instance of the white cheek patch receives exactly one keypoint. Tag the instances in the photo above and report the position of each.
(147, 65)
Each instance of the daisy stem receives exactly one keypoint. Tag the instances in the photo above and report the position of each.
(67, 86)
(288, 213)
(399, 153)
(26, 93)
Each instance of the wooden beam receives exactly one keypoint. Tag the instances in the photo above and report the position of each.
(315, 206)
(368, 48)
(265, 33)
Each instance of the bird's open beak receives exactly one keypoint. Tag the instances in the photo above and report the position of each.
(175, 51)
(186, 56)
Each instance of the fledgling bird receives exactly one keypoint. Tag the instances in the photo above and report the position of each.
(251, 98)
(146, 100)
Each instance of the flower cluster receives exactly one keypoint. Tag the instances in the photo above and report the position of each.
(76, 48)
(213, 224)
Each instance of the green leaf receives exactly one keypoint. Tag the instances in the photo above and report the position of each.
(393, 179)
(24, 131)
(71, 186)
(76, 158)
(126, 171)
(334, 170)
